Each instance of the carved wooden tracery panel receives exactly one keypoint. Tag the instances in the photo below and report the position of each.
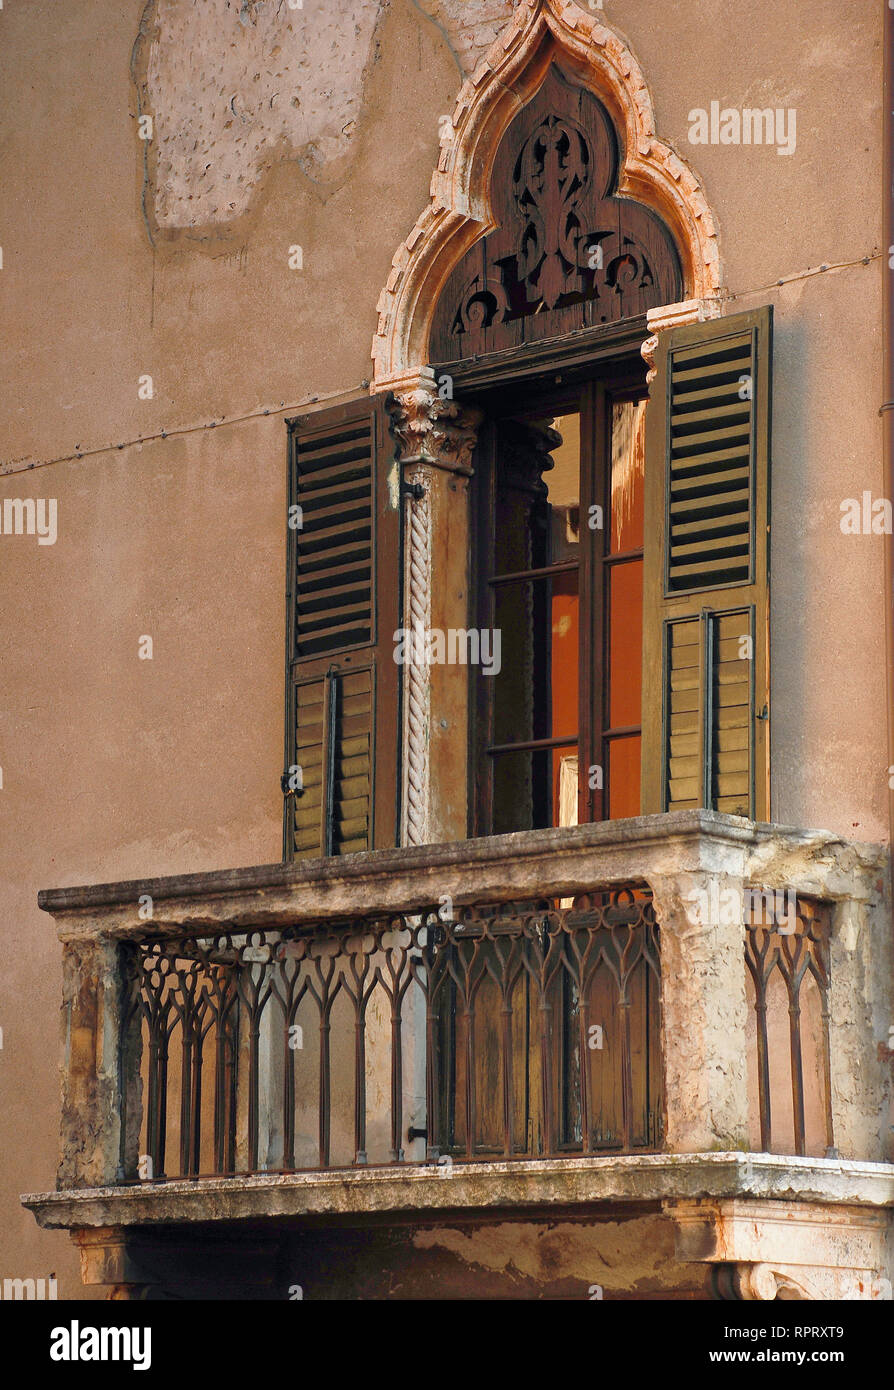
(568, 252)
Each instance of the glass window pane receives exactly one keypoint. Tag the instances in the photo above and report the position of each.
(623, 777)
(563, 491)
(537, 521)
(625, 644)
(536, 690)
(532, 790)
(628, 475)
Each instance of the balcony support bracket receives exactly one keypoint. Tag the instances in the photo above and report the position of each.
(790, 1250)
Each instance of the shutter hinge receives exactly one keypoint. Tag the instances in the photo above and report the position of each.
(764, 714)
(414, 490)
(286, 789)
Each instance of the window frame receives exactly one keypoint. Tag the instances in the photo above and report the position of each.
(607, 365)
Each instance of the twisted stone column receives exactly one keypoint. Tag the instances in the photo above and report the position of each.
(435, 440)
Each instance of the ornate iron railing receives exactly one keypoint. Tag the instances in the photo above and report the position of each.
(788, 959)
(509, 1029)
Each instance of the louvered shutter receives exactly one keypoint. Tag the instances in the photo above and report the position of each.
(706, 582)
(343, 603)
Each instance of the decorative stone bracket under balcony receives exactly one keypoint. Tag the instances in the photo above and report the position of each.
(688, 1012)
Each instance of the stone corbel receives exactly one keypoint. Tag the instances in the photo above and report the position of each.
(756, 1283)
(435, 441)
(667, 316)
(766, 1283)
(792, 1249)
(138, 1264)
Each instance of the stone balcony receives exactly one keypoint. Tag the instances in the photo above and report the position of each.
(686, 1015)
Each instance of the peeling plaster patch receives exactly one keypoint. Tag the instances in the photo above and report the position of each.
(234, 85)
(636, 1252)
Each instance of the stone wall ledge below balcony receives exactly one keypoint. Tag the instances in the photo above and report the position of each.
(421, 1191)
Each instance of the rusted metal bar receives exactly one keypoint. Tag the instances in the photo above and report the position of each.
(763, 1071)
(288, 1106)
(508, 992)
(794, 1014)
(360, 1086)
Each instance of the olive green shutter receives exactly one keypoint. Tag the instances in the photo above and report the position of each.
(706, 583)
(343, 602)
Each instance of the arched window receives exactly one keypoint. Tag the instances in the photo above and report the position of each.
(530, 586)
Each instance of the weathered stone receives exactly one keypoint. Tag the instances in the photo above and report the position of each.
(792, 1250)
(521, 1186)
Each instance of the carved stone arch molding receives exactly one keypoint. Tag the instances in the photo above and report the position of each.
(459, 214)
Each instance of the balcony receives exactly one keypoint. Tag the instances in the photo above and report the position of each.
(685, 1012)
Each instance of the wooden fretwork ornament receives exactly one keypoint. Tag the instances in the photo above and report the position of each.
(568, 252)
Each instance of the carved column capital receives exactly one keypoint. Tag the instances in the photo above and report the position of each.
(429, 430)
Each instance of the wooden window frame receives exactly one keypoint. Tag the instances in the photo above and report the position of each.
(592, 367)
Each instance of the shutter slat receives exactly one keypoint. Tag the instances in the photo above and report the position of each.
(720, 461)
(334, 486)
(730, 738)
(355, 682)
(354, 767)
(353, 790)
(336, 448)
(720, 571)
(348, 634)
(356, 846)
(340, 474)
(737, 762)
(684, 792)
(348, 528)
(314, 565)
(355, 832)
(720, 545)
(335, 596)
(685, 421)
(351, 507)
(706, 485)
(733, 507)
(704, 395)
(336, 615)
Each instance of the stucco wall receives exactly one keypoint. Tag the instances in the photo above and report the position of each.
(118, 263)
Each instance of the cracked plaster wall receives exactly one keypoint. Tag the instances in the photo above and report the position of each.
(234, 86)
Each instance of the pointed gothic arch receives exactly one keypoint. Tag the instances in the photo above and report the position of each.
(543, 32)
